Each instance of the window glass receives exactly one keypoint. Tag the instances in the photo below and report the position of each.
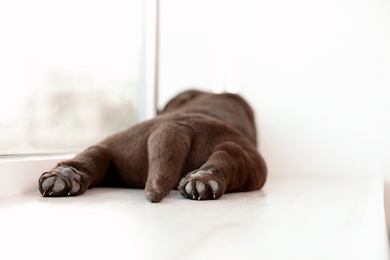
(70, 72)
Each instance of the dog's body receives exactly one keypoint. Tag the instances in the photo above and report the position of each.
(202, 143)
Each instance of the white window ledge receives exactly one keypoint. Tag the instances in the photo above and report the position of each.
(19, 174)
(293, 217)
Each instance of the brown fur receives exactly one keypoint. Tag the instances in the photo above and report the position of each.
(202, 143)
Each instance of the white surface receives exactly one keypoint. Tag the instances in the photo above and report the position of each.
(316, 217)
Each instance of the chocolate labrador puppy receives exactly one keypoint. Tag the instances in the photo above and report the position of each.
(202, 143)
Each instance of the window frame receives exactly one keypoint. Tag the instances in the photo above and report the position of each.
(19, 173)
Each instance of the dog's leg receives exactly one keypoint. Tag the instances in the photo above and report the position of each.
(74, 176)
(230, 168)
(168, 147)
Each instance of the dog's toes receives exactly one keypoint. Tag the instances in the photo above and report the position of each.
(63, 181)
(214, 187)
(52, 185)
(202, 185)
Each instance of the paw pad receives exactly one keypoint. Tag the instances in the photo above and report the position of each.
(61, 181)
(201, 185)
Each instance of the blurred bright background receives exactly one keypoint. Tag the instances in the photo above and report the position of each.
(70, 72)
(316, 72)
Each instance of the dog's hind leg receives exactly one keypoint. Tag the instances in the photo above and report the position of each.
(231, 167)
(168, 147)
(75, 176)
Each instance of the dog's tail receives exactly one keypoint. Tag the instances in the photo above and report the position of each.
(168, 148)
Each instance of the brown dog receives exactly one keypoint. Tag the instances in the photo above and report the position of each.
(202, 143)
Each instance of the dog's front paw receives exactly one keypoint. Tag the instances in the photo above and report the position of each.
(202, 185)
(63, 181)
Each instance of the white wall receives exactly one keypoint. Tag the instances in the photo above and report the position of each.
(316, 72)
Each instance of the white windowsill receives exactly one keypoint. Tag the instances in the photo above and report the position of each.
(19, 175)
(293, 217)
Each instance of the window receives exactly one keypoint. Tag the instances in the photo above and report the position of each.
(71, 72)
